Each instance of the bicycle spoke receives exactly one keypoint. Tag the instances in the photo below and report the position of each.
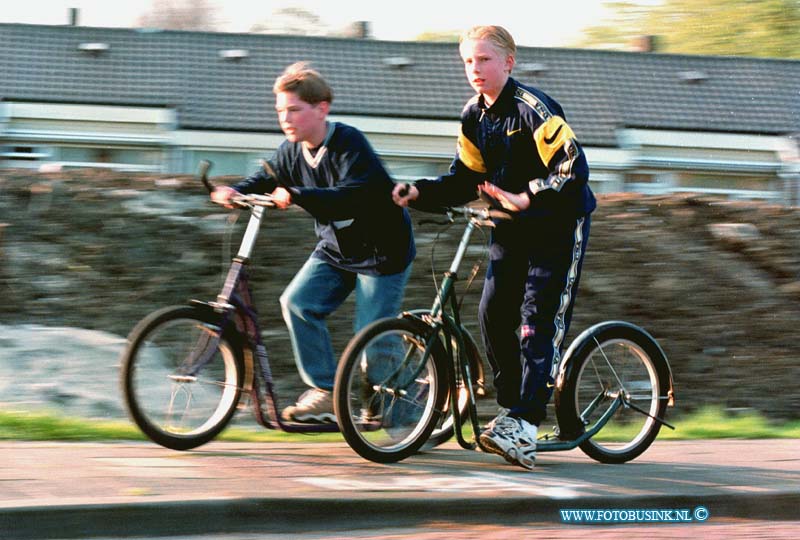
(608, 363)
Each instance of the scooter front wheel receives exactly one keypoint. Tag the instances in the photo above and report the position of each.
(390, 389)
(182, 376)
(608, 360)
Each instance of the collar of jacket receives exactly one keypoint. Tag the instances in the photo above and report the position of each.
(504, 100)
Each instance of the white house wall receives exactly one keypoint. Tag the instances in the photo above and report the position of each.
(411, 148)
(126, 138)
(736, 153)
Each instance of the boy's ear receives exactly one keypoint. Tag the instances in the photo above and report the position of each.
(324, 106)
(510, 61)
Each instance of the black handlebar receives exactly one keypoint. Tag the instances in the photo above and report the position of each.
(205, 166)
(495, 210)
(240, 200)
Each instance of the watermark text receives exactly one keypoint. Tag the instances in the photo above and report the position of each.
(635, 515)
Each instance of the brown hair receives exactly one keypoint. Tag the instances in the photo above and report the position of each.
(498, 35)
(306, 82)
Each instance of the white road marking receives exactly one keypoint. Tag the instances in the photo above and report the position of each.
(469, 482)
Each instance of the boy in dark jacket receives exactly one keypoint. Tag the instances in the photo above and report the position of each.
(365, 244)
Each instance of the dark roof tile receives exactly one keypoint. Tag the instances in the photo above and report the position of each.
(601, 91)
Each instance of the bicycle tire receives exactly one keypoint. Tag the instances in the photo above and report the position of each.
(608, 358)
(445, 428)
(172, 406)
(386, 412)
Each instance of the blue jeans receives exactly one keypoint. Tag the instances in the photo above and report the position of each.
(317, 290)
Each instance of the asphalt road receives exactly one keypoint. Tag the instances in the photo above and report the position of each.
(722, 529)
(57, 490)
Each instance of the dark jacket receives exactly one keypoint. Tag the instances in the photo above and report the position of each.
(521, 143)
(345, 187)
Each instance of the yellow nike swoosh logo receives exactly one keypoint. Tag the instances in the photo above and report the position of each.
(509, 133)
(550, 385)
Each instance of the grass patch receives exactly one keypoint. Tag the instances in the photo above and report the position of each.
(715, 423)
(50, 426)
(706, 423)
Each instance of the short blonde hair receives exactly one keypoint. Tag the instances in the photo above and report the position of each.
(301, 79)
(498, 35)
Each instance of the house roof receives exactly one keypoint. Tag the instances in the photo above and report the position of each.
(601, 91)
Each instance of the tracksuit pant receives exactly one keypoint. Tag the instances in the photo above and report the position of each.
(526, 308)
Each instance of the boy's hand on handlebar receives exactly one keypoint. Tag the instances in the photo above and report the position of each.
(223, 195)
(282, 198)
(515, 202)
(402, 194)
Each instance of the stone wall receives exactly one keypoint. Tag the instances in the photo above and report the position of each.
(715, 281)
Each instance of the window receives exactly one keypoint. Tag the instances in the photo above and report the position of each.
(13, 155)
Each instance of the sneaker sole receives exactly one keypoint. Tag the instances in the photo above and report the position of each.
(509, 455)
(325, 418)
(525, 463)
(492, 447)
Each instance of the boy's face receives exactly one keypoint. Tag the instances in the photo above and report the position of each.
(299, 120)
(487, 67)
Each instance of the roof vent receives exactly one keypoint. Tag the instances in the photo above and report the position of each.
(532, 68)
(398, 62)
(234, 55)
(94, 48)
(693, 76)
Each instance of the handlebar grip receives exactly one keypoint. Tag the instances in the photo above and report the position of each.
(205, 166)
(493, 203)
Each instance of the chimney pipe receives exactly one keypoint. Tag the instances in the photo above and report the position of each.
(358, 30)
(73, 16)
(645, 44)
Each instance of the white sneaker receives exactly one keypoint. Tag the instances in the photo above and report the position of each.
(512, 438)
(313, 406)
(501, 413)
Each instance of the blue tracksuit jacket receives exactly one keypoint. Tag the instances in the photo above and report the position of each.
(523, 143)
